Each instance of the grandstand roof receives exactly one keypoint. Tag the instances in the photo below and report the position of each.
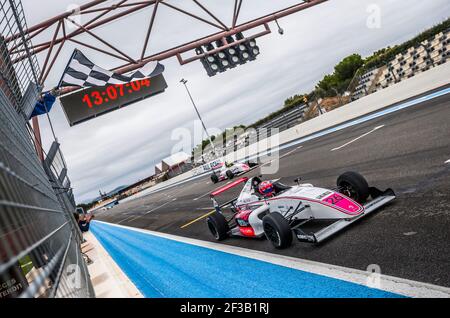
(158, 168)
(174, 159)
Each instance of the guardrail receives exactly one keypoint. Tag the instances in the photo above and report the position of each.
(285, 119)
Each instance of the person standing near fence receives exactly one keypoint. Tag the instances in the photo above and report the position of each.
(83, 221)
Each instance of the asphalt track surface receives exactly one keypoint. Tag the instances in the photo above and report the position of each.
(409, 238)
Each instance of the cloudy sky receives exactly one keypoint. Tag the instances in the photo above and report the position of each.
(123, 147)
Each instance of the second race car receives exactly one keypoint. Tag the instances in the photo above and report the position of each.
(229, 171)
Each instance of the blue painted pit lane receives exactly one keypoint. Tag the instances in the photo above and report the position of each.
(161, 267)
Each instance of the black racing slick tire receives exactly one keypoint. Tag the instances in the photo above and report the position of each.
(353, 185)
(218, 226)
(277, 230)
(214, 178)
(230, 174)
(251, 164)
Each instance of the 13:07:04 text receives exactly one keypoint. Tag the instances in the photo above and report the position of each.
(113, 92)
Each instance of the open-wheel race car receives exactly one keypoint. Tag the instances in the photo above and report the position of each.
(229, 171)
(275, 210)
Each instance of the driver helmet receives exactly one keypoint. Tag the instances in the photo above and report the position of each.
(266, 188)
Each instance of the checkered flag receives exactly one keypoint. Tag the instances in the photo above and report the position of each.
(80, 71)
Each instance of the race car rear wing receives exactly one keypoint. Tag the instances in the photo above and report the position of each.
(223, 189)
(228, 186)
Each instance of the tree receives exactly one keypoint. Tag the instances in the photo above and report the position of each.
(340, 79)
(347, 68)
(293, 101)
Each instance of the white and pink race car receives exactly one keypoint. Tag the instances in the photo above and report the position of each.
(229, 171)
(290, 209)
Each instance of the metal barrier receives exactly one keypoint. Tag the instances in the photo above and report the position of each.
(40, 254)
(287, 119)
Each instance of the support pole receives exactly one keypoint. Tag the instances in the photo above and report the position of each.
(37, 138)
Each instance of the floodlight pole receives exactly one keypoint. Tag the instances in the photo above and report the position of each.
(183, 81)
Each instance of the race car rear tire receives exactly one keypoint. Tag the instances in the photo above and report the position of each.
(218, 226)
(214, 178)
(230, 174)
(353, 185)
(277, 230)
(251, 164)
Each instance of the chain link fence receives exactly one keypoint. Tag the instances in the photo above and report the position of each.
(40, 254)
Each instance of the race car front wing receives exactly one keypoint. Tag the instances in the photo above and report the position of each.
(381, 199)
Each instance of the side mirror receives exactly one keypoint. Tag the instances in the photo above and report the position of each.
(298, 180)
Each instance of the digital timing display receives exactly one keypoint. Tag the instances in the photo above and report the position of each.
(92, 102)
(97, 98)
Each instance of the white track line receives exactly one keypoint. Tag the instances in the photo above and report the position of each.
(448, 161)
(352, 141)
(132, 218)
(203, 195)
(139, 216)
(388, 283)
(281, 157)
(128, 217)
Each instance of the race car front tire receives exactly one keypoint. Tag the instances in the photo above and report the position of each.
(277, 230)
(218, 226)
(214, 178)
(230, 174)
(353, 185)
